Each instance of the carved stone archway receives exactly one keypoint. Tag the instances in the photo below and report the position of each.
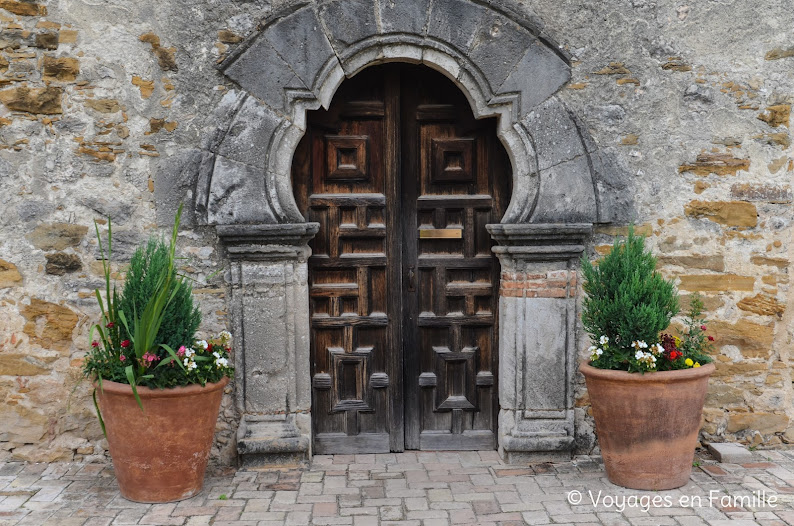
(507, 68)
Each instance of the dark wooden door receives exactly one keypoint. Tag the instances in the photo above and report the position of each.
(403, 285)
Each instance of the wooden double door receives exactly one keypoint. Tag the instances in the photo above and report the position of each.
(403, 285)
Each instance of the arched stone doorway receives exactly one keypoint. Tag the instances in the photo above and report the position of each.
(507, 69)
(403, 286)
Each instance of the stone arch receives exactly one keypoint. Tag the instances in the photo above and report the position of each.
(298, 58)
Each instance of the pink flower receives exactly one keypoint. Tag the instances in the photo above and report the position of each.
(94, 343)
(702, 327)
(122, 357)
(181, 351)
(125, 343)
(148, 358)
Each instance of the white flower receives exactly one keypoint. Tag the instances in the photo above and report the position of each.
(603, 340)
(657, 349)
(638, 355)
(215, 354)
(226, 335)
(203, 344)
(191, 366)
(595, 352)
(189, 352)
(186, 362)
(222, 362)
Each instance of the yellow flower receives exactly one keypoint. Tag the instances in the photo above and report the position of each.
(677, 341)
(697, 364)
(689, 362)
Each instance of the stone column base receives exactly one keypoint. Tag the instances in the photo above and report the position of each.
(272, 440)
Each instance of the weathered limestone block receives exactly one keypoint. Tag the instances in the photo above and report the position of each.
(566, 191)
(554, 133)
(761, 192)
(45, 101)
(57, 236)
(455, 22)
(716, 282)
(15, 364)
(717, 163)
(537, 76)
(49, 325)
(237, 194)
(729, 213)
(705, 262)
(776, 115)
(300, 37)
(250, 134)
(404, 17)
(499, 44)
(60, 263)
(762, 304)
(764, 423)
(348, 21)
(23, 8)
(62, 69)
(753, 340)
(264, 74)
(9, 275)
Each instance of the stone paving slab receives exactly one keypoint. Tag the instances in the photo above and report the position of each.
(411, 489)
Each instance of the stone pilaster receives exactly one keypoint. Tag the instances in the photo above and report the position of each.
(537, 338)
(270, 313)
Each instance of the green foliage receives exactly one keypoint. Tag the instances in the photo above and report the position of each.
(148, 273)
(627, 301)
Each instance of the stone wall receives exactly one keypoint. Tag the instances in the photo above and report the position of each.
(105, 105)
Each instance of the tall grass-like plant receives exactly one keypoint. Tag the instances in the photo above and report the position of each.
(627, 304)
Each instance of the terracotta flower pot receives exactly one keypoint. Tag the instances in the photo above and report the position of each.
(647, 424)
(160, 454)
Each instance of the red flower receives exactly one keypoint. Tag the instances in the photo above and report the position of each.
(125, 343)
(94, 343)
(674, 355)
(711, 338)
(110, 325)
(702, 327)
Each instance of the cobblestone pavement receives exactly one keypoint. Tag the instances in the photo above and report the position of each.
(410, 489)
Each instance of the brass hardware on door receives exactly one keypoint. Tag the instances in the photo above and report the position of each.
(440, 233)
(411, 279)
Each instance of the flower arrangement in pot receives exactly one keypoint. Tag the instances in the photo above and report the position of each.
(157, 389)
(647, 387)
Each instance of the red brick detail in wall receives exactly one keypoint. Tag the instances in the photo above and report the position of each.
(552, 284)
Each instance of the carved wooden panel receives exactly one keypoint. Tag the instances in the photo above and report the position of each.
(402, 281)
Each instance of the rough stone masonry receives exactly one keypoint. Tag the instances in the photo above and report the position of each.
(105, 107)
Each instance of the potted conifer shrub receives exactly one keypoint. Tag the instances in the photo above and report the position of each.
(157, 389)
(647, 388)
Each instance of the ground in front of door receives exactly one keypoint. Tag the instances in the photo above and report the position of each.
(411, 489)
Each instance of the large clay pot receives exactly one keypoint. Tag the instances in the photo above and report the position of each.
(160, 454)
(647, 424)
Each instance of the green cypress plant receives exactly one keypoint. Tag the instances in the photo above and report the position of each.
(627, 304)
(181, 318)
